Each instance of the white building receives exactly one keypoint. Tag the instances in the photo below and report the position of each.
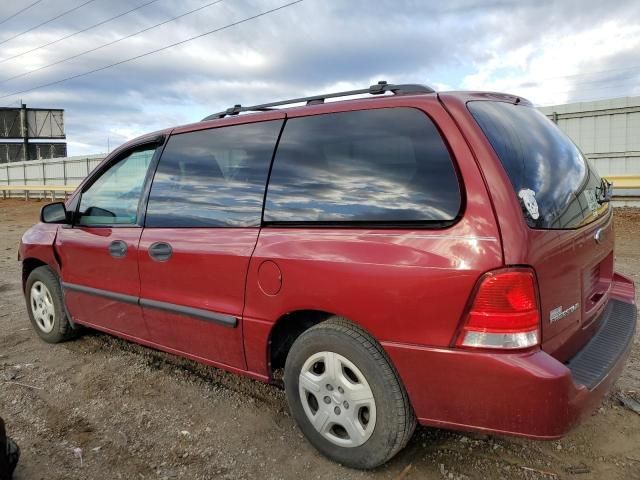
(607, 131)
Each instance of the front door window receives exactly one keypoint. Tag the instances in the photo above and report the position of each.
(114, 197)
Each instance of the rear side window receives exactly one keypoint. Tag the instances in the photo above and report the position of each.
(556, 185)
(213, 178)
(385, 165)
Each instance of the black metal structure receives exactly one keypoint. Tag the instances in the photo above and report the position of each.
(14, 151)
(19, 126)
(377, 89)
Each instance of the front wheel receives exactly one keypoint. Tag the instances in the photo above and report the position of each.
(346, 396)
(45, 305)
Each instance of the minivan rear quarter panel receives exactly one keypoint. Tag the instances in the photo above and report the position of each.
(402, 271)
(565, 260)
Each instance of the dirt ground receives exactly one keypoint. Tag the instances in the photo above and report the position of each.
(102, 408)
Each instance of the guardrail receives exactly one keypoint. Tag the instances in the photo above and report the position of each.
(44, 189)
(624, 181)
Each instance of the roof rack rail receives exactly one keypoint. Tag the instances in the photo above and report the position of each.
(377, 89)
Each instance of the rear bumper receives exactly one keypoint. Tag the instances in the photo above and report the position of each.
(528, 394)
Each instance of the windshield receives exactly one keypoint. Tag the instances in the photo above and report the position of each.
(556, 185)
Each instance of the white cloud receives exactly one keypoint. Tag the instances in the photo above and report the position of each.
(536, 48)
(552, 69)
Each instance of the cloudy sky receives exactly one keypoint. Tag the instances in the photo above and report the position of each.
(548, 51)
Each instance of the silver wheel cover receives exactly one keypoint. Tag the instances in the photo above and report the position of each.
(42, 307)
(337, 399)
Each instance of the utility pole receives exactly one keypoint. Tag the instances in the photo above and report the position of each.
(25, 131)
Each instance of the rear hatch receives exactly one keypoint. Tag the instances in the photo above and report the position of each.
(565, 205)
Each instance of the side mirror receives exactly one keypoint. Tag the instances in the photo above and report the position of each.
(54, 213)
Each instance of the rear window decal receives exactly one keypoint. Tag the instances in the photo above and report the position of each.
(592, 201)
(528, 198)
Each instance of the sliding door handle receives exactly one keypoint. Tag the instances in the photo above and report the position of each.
(160, 251)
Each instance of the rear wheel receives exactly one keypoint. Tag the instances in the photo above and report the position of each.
(346, 396)
(45, 305)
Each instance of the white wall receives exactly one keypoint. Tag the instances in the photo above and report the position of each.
(607, 131)
(58, 171)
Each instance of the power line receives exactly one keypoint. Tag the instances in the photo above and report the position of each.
(538, 82)
(583, 74)
(20, 75)
(600, 84)
(210, 32)
(593, 85)
(596, 72)
(19, 102)
(592, 97)
(521, 85)
(78, 32)
(627, 78)
(20, 11)
(48, 21)
(585, 94)
(580, 100)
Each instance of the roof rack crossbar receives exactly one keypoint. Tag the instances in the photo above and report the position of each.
(377, 89)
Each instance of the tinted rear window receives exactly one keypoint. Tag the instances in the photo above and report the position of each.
(546, 169)
(213, 178)
(384, 165)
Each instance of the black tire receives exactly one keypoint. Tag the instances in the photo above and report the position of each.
(395, 419)
(62, 329)
(13, 455)
(9, 454)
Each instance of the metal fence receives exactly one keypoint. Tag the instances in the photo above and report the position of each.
(72, 170)
(59, 171)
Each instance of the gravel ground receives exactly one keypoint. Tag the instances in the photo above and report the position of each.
(102, 408)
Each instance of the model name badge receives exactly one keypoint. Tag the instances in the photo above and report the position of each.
(558, 313)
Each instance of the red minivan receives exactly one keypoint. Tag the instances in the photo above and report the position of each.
(410, 256)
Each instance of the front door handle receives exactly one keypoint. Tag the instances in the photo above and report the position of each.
(117, 249)
(160, 251)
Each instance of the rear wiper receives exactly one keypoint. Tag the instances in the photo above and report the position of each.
(604, 191)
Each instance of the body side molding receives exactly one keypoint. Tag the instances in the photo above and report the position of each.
(120, 297)
(206, 315)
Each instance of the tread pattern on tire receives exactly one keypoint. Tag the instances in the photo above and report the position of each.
(63, 327)
(406, 419)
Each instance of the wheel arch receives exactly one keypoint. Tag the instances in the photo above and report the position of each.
(286, 330)
(289, 327)
(29, 265)
(37, 249)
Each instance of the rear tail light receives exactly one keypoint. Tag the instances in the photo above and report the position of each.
(504, 313)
